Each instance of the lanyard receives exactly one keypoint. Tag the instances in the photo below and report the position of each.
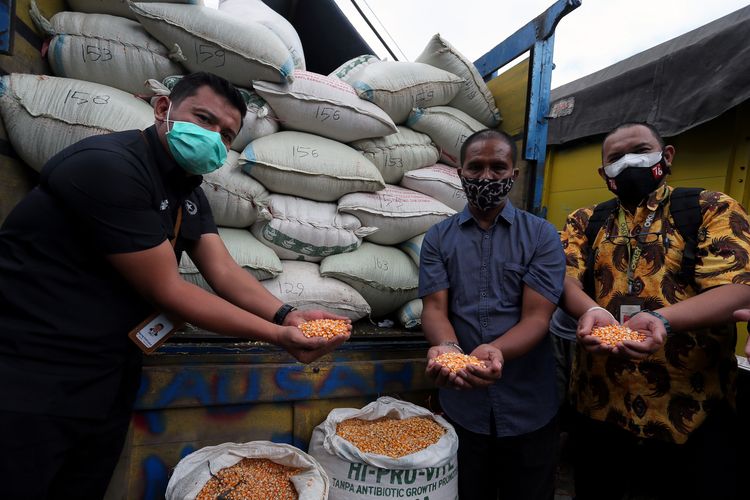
(634, 255)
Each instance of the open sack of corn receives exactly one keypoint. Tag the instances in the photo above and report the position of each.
(388, 449)
(258, 470)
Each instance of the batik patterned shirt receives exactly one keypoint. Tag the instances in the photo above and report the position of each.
(667, 395)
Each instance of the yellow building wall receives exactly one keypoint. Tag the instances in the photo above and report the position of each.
(714, 155)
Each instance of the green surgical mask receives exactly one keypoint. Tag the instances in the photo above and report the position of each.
(197, 150)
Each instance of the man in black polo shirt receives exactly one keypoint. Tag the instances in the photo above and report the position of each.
(86, 257)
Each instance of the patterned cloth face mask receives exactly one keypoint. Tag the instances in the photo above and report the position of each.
(197, 150)
(486, 194)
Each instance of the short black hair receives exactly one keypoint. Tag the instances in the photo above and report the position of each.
(490, 133)
(623, 125)
(188, 86)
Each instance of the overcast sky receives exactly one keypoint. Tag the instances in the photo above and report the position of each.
(595, 35)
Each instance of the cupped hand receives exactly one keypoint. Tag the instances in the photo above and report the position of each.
(654, 330)
(441, 375)
(307, 349)
(590, 320)
(486, 375)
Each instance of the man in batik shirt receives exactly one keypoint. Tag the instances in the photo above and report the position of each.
(655, 418)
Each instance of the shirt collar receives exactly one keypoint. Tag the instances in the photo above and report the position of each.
(170, 171)
(508, 214)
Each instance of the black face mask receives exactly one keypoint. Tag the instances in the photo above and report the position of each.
(486, 194)
(633, 184)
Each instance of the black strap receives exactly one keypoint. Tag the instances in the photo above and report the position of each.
(601, 213)
(686, 213)
(684, 207)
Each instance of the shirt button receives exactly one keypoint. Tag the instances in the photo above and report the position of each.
(484, 323)
(484, 294)
(486, 236)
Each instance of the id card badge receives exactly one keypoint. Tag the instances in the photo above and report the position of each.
(629, 307)
(153, 332)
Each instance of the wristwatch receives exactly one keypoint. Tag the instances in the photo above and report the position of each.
(282, 313)
(664, 320)
(450, 343)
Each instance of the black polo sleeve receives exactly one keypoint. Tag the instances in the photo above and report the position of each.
(112, 197)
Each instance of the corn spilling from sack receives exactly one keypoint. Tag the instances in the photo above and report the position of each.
(389, 436)
(251, 479)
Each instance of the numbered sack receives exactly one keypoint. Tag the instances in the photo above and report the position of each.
(300, 229)
(438, 181)
(257, 11)
(399, 86)
(309, 166)
(397, 212)
(249, 253)
(234, 197)
(44, 114)
(116, 7)
(196, 470)
(448, 127)
(325, 106)
(410, 314)
(474, 98)
(431, 472)
(104, 49)
(205, 39)
(398, 153)
(385, 276)
(259, 120)
(301, 285)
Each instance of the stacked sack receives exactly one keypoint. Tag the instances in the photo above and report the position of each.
(332, 181)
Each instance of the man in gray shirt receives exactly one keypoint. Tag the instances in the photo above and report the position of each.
(490, 277)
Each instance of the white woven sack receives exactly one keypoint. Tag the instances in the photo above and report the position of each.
(413, 247)
(259, 120)
(193, 472)
(104, 49)
(45, 114)
(116, 7)
(448, 127)
(385, 276)
(438, 181)
(399, 153)
(249, 253)
(309, 166)
(429, 473)
(325, 106)
(258, 11)
(300, 229)
(397, 212)
(474, 98)
(410, 314)
(205, 39)
(234, 196)
(399, 86)
(301, 285)
(348, 71)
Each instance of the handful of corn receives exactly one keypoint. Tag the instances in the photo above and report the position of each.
(456, 361)
(251, 479)
(389, 436)
(612, 334)
(326, 328)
